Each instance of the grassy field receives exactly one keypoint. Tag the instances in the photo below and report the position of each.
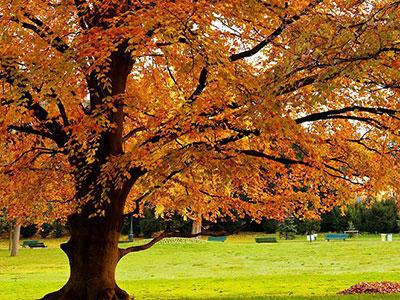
(236, 269)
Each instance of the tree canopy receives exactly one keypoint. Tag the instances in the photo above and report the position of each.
(265, 97)
(207, 98)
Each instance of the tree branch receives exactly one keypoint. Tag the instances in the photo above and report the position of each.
(300, 83)
(30, 130)
(43, 31)
(342, 177)
(151, 190)
(276, 33)
(14, 78)
(330, 113)
(63, 114)
(42, 151)
(282, 160)
(201, 86)
(163, 235)
(79, 4)
(132, 132)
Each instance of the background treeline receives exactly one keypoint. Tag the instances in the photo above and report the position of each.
(55, 229)
(374, 217)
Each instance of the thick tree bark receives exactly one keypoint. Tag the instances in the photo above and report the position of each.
(92, 250)
(93, 255)
(15, 240)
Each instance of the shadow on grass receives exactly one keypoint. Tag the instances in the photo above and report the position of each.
(327, 297)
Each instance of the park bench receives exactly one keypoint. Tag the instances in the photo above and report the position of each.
(335, 236)
(37, 245)
(33, 244)
(216, 238)
(27, 243)
(266, 240)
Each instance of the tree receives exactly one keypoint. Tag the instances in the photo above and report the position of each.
(382, 217)
(308, 226)
(371, 216)
(15, 233)
(110, 107)
(197, 226)
(6, 225)
(287, 229)
(335, 220)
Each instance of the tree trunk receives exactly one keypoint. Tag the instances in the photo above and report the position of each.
(93, 255)
(15, 240)
(92, 250)
(10, 239)
(196, 226)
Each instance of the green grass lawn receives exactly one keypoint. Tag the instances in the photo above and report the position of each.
(236, 269)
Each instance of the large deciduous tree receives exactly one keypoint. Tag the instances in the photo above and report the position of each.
(108, 106)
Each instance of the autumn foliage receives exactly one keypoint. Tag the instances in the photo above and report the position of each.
(110, 106)
(384, 287)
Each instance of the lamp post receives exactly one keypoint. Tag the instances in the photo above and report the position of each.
(131, 229)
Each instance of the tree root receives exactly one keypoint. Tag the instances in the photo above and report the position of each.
(123, 295)
(108, 294)
(58, 295)
(114, 294)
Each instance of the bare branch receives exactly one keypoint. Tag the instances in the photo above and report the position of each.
(163, 235)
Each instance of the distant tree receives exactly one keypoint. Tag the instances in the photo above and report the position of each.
(269, 225)
(308, 226)
(382, 217)
(334, 221)
(5, 224)
(351, 226)
(46, 229)
(58, 229)
(372, 217)
(197, 226)
(355, 214)
(150, 224)
(15, 239)
(29, 230)
(287, 229)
